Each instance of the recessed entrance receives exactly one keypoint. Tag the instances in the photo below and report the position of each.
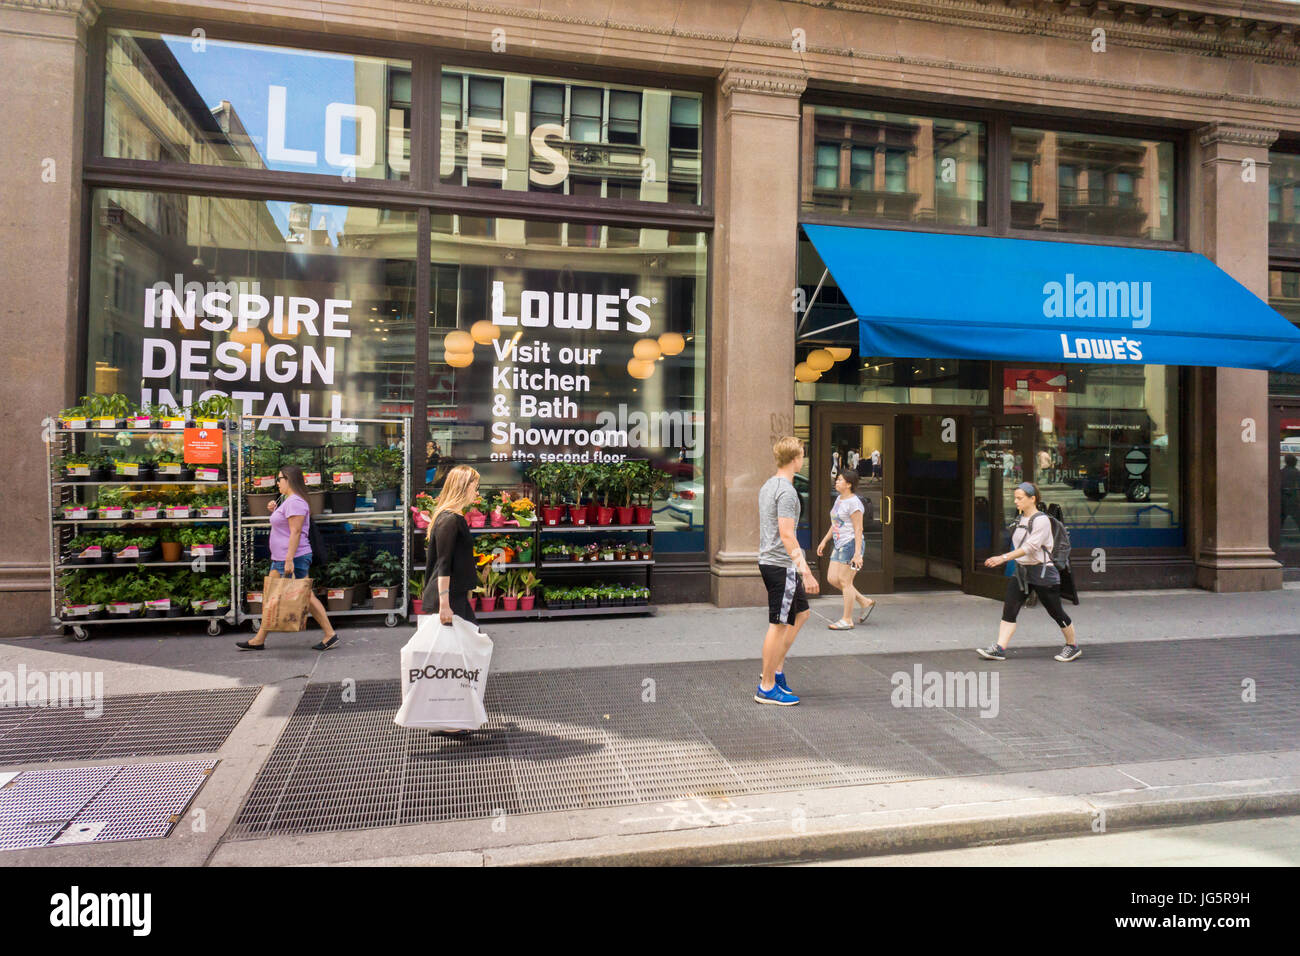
(936, 486)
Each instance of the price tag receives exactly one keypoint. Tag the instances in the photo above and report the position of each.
(76, 513)
(78, 471)
(311, 478)
(108, 513)
(265, 481)
(76, 610)
(379, 592)
(334, 594)
(254, 597)
(173, 424)
(146, 514)
(74, 423)
(129, 554)
(208, 423)
(105, 422)
(164, 605)
(202, 549)
(93, 553)
(128, 468)
(169, 468)
(212, 512)
(178, 512)
(140, 422)
(342, 478)
(207, 474)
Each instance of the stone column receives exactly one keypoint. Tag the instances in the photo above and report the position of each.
(751, 350)
(43, 49)
(1230, 406)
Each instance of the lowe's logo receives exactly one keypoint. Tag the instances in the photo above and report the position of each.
(441, 673)
(1098, 300)
(1123, 348)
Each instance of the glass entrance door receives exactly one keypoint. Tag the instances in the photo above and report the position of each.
(864, 441)
(1284, 526)
(999, 458)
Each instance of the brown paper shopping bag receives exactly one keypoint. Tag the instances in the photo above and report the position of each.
(284, 603)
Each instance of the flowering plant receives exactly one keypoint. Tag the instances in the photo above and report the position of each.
(475, 505)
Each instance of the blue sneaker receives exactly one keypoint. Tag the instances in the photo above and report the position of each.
(780, 682)
(775, 696)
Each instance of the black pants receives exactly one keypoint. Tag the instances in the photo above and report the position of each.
(459, 606)
(1048, 594)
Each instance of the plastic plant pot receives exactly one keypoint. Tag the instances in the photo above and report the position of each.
(645, 515)
(604, 515)
(386, 500)
(171, 550)
(257, 504)
(527, 602)
(625, 515)
(316, 502)
(383, 598)
(475, 518)
(578, 514)
(340, 502)
(417, 606)
(489, 604)
(510, 603)
(551, 516)
(339, 599)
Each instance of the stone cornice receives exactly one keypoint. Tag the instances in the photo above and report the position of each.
(86, 11)
(1237, 134)
(771, 82)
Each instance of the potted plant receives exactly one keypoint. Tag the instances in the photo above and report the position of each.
(380, 470)
(107, 412)
(111, 504)
(171, 544)
(74, 417)
(257, 577)
(474, 514)
(385, 580)
(544, 477)
(510, 600)
(343, 577)
(170, 465)
(657, 484)
(523, 549)
(159, 602)
(607, 551)
(141, 418)
(580, 477)
(527, 583)
(84, 595)
(211, 504)
(500, 510)
(178, 504)
(341, 475)
(77, 466)
(212, 595)
(78, 511)
(628, 476)
(213, 412)
(146, 508)
(620, 552)
(602, 486)
(417, 591)
(263, 454)
(489, 585)
(86, 549)
(129, 593)
(136, 548)
(170, 418)
(525, 512)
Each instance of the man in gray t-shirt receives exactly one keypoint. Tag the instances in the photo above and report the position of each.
(784, 570)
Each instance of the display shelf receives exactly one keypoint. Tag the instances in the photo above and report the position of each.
(590, 528)
(510, 529)
(587, 565)
(507, 566)
(118, 565)
(135, 521)
(178, 481)
(599, 611)
(326, 518)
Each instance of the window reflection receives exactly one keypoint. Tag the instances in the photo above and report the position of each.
(1095, 185)
(890, 166)
(1284, 296)
(1284, 199)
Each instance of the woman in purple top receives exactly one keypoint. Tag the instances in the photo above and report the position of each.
(290, 522)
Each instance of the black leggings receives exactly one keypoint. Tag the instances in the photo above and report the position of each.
(459, 606)
(1048, 595)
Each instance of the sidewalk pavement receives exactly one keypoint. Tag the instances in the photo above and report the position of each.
(1185, 761)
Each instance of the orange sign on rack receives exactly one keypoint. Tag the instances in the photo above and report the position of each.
(203, 446)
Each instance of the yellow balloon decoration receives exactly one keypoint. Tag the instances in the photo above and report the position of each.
(819, 360)
(484, 332)
(646, 349)
(840, 355)
(640, 368)
(458, 359)
(671, 343)
(458, 341)
(803, 373)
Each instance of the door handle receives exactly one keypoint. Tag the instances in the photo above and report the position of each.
(890, 519)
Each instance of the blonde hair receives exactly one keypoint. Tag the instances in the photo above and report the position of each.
(787, 450)
(457, 492)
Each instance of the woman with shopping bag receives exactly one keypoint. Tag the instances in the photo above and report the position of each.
(291, 554)
(450, 571)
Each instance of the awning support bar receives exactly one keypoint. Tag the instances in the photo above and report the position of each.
(808, 310)
(825, 329)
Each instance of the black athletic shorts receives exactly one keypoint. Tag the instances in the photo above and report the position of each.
(785, 594)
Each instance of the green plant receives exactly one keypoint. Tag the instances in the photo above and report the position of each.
(304, 458)
(214, 408)
(75, 411)
(167, 411)
(527, 582)
(380, 469)
(144, 541)
(77, 458)
(110, 497)
(656, 485)
(346, 572)
(416, 585)
(386, 570)
(632, 475)
(108, 406)
(215, 498)
(263, 455)
(113, 542)
(342, 454)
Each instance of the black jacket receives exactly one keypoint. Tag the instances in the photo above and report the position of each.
(450, 554)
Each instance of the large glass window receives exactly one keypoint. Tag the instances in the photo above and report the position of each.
(527, 133)
(290, 308)
(565, 380)
(1107, 449)
(1284, 199)
(931, 169)
(1284, 295)
(207, 102)
(1090, 184)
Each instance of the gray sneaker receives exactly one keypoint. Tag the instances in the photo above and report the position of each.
(991, 653)
(1068, 653)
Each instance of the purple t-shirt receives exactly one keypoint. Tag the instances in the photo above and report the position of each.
(292, 505)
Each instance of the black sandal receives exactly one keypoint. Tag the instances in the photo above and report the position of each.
(326, 645)
(246, 646)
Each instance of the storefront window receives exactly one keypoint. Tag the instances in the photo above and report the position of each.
(637, 144)
(1090, 184)
(1107, 449)
(897, 167)
(207, 102)
(289, 308)
(1284, 199)
(1284, 295)
(565, 380)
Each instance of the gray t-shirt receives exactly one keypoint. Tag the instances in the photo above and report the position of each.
(776, 499)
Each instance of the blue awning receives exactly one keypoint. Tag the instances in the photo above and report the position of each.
(927, 295)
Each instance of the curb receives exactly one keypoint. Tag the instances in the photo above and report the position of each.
(700, 849)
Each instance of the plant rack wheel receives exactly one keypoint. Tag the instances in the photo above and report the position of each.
(80, 633)
(214, 627)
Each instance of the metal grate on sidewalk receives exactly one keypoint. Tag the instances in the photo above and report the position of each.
(97, 804)
(600, 737)
(131, 725)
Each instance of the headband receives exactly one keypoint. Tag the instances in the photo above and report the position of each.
(1027, 488)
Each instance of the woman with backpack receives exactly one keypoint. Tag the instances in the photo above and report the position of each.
(1031, 544)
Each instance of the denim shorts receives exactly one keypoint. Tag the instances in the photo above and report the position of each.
(843, 553)
(300, 565)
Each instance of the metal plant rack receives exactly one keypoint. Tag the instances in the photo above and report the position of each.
(252, 525)
(60, 441)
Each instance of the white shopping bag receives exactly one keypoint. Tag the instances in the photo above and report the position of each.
(444, 676)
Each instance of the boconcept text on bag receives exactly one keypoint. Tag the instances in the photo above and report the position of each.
(444, 676)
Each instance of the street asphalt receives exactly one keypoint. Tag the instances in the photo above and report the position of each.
(1183, 744)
